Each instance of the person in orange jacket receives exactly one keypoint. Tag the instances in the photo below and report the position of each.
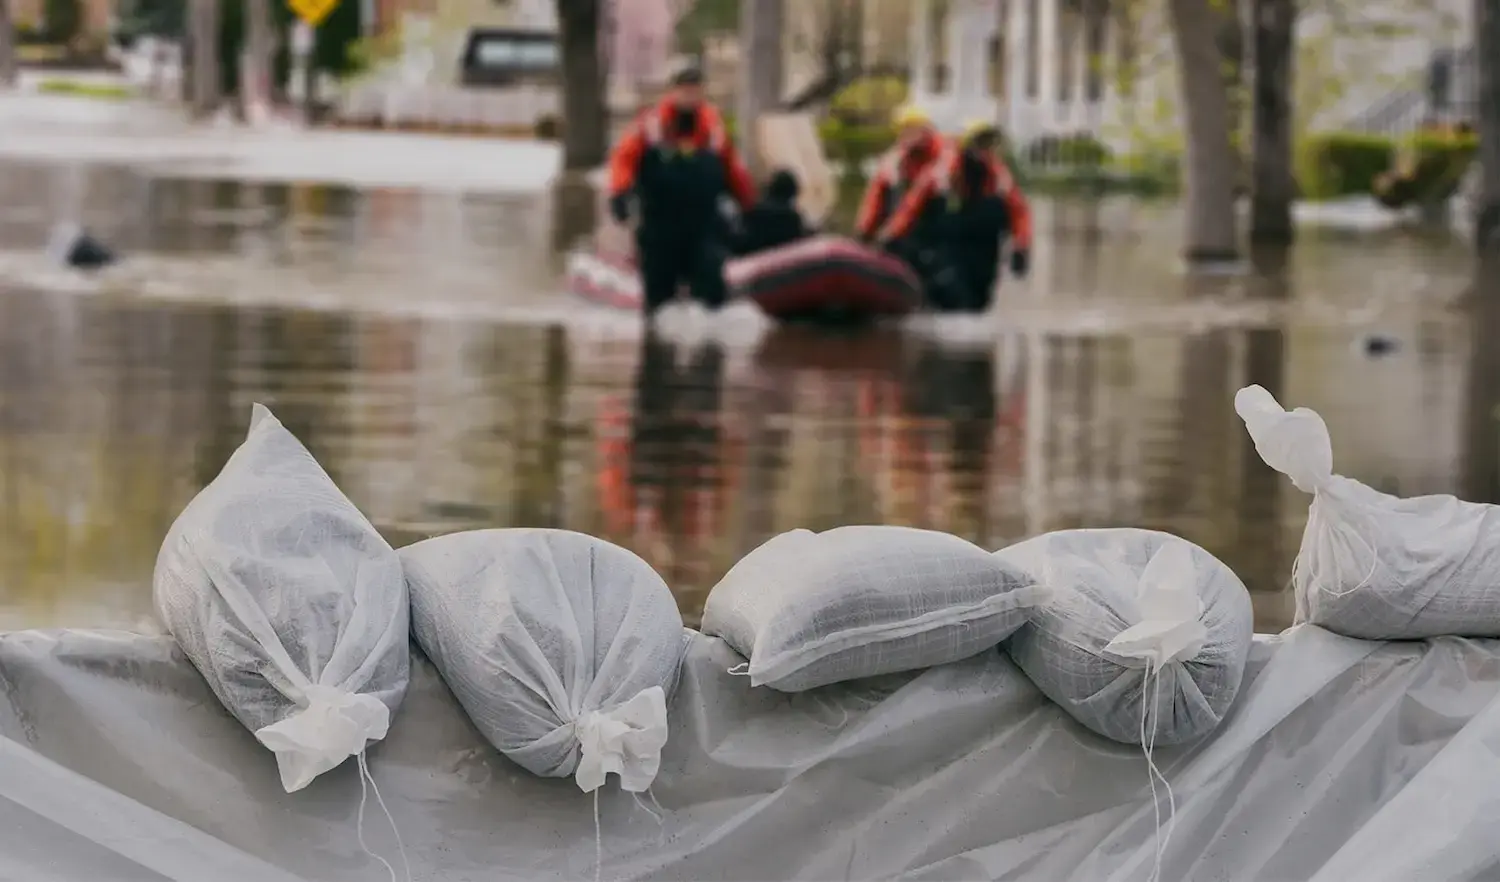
(918, 146)
(980, 207)
(680, 167)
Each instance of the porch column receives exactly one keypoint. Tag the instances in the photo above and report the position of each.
(980, 26)
(1099, 61)
(1048, 37)
(1081, 114)
(961, 56)
(921, 51)
(1014, 34)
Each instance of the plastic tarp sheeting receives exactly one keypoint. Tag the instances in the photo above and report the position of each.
(1341, 759)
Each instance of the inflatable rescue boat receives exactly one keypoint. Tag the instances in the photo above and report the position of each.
(820, 277)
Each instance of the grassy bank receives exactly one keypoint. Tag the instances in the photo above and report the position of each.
(99, 91)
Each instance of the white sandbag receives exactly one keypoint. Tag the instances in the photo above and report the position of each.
(1145, 636)
(809, 609)
(1371, 565)
(289, 603)
(562, 648)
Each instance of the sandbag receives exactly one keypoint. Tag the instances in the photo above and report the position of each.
(1144, 638)
(1371, 565)
(562, 648)
(809, 609)
(289, 603)
(824, 273)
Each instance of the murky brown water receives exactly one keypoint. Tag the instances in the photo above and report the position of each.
(446, 384)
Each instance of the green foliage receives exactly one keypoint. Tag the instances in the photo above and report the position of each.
(335, 45)
(854, 144)
(704, 19)
(368, 53)
(1336, 164)
(1426, 166)
(157, 18)
(1430, 168)
(64, 20)
(869, 100)
(1082, 149)
(334, 38)
(102, 91)
(27, 33)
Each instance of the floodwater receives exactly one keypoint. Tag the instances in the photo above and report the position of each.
(420, 345)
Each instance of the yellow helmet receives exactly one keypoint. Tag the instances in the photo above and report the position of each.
(978, 128)
(910, 115)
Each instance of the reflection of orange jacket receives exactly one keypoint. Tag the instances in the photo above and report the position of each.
(651, 128)
(897, 170)
(624, 510)
(943, 178)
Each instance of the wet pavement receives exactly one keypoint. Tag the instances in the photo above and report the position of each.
(420, 345)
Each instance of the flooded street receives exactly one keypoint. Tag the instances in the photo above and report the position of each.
(420, 344)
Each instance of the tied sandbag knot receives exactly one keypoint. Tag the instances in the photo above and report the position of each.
(1171, 626)
(333, 725)
(626, 740)
(1295, 443)
(1170, 629)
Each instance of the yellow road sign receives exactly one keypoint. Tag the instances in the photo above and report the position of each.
(312, 11)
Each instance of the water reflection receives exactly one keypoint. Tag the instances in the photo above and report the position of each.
(1100, 395)
(665, 485)
(575, 210)
(1481, 461)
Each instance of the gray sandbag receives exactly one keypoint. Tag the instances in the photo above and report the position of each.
(1144, 637)
(289, 603)
(1372, 565)
(562, 648)
(809, 609)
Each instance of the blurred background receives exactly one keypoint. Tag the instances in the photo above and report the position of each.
(363, 226)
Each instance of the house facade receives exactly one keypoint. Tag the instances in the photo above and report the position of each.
(1041, 67)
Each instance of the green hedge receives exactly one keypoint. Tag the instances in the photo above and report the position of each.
(105, 91)
(853, 144)
(1336, 164)
(1427, 165)
(1079, 149)
(869, 100)
(1094, 169)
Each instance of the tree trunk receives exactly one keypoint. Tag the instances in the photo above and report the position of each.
(260, 48)
(585, 114)
(1209, 163)
(855, 24)
(205, 68)
(1234, 67)
(8, 72)
(1481, 457)
(761, 73)
(1273, 184)
(1259, 525)
(1487, 55)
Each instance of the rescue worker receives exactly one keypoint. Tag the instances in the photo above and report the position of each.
(979, 206)
(918, 146)
(679, 165)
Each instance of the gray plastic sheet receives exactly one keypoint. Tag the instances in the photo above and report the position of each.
(1342, 759)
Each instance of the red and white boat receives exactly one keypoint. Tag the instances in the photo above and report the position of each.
(819, 276)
